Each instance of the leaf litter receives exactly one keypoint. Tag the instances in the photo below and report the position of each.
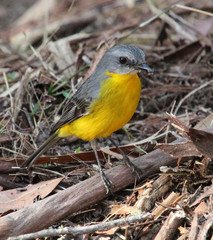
(56, 47)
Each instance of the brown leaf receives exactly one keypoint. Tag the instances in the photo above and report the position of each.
(177, 150)
(205, 123)
(22, 197)
(202, 208)
(202, 140)
(122, 209)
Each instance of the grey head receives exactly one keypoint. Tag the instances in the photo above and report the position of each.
(123, 59)
(120, 59)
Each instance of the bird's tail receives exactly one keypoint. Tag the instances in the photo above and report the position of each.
(43, 148)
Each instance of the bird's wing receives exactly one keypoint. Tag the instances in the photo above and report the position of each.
(79, 104)
(72, 111)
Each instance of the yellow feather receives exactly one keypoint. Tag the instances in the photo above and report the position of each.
(117, 101)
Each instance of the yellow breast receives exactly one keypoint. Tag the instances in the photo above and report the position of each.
(117, 101)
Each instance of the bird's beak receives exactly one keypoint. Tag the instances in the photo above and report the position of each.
(144, 67)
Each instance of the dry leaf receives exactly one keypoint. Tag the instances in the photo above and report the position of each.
(22, 197)
(205, 123)
(202, 140)
(201, 208)
(109, 232)
(123, 209)
(176, 150)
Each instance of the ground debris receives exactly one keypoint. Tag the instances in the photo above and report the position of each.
(45, 55)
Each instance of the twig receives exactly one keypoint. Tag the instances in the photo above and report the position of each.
(13, 152)
(183, 21)
(9, 92)
(194, 10)
(171, 22)
(37, 54)
(20, 93)
(206, 40)
(190, 94)
(83, 230)
(143, 24)
(151, 138)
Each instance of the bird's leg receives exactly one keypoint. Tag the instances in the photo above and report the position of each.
(106, 181)
(127, 161)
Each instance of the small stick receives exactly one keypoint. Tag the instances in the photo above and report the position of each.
(83, 230)
(171, 22)
(191, 93)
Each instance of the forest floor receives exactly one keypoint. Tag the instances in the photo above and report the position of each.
(46, 52)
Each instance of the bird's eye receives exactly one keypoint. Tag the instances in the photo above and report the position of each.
(123, 60)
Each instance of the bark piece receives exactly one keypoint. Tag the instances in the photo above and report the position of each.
(194, 228)
(171, 225)
(206, 230)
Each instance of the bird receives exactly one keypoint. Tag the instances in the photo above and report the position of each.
(103, 104)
